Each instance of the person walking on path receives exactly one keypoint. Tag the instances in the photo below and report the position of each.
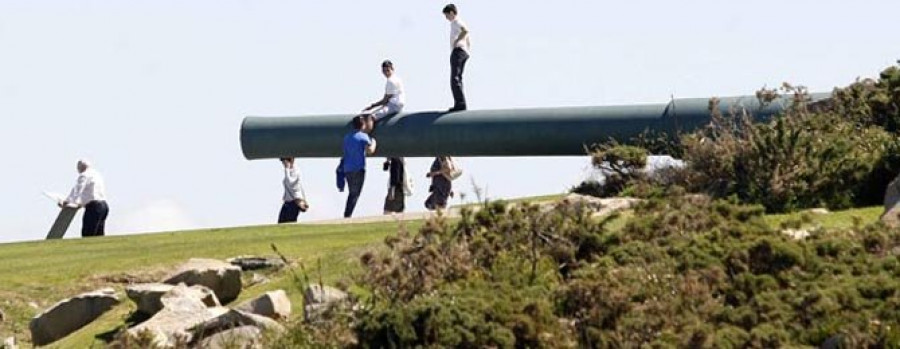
(357, 144)
(89, 192)
(394, 202)
(394, 98)
(460, 45)
(442, 173)
(294, 200)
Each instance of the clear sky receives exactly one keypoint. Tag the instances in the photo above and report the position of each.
(154, 91)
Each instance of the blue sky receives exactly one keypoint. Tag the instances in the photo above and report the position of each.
(154, 91)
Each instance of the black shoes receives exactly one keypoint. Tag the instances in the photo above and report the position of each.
(456, 108)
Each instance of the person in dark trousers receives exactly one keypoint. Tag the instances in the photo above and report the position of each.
(394, 202)
(294, 201)
(459, 43)
(441, 184)
(89, 192)
(357, 144)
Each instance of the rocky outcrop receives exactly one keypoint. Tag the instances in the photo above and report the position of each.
(891, 215)
(221, 277)
(148, 297)
(69, 315)
(600, 206)
(318, 299)
(182, 310)
(274, 305)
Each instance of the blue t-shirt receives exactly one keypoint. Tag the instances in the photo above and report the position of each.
(355, 144)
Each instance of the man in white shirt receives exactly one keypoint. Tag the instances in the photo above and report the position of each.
(89, 192)
(459, 43)
(393, 100)
(294, 200)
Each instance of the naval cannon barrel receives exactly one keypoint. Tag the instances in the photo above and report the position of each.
(503, 132)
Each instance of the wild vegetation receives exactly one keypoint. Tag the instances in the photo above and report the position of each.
(837, 153)
(695, 265)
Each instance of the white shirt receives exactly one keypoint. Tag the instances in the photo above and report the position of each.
(394, 87)
(89, 187)
(291, 184)
(455, 28)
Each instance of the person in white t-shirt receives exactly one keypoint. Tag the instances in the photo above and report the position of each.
(294, 200)
(460, 45)
(393, 100)
(89, 192)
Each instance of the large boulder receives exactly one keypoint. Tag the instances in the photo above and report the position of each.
(318, 299)
(273, 304)
(891, 215)
(233, 319)
(244, 337)
(182, 310)
(221, 277)
(148, 297)
(69, 315)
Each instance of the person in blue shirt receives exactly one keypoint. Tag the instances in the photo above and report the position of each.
(357, 144)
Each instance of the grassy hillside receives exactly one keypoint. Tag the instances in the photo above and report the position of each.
(44, 272)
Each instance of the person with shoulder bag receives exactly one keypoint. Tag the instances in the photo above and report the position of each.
(294, 198)
(442, 173)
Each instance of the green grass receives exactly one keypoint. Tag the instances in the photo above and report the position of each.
(45, 272)
(832, 220)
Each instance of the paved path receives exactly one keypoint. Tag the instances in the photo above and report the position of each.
(406, 216)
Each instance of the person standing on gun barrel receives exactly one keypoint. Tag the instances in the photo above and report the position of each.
(460, 44)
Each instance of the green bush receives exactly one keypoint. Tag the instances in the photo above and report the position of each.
(808, 156)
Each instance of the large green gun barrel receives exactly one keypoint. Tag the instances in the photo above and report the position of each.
(503, 132)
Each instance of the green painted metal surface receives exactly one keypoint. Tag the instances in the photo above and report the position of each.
(506, 132)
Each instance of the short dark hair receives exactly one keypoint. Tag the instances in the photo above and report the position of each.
(358, 122)
(450, 8)
(387, 63)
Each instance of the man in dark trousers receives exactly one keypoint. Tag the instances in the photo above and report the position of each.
(89, 192)
(357, 144)
(459, 42)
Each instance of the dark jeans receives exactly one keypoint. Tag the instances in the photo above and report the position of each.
(289, 212)
(457, 64)
(94, 221)
(355, 181)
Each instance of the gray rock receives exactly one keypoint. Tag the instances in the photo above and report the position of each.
(2, 316)
(148, 297)
(600, 206)
(273, 304)
(891, 215)
(182, 310)
(245, 337)
(9, 343)
(69, 315)
(317, 301)
(221, 277)
(796, 234)
(233, 319)
(256, 262)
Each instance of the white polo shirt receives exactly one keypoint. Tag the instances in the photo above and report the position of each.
(456, 26)
(394, 87)
(89, 187)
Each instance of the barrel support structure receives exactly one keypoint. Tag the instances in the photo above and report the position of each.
(505, 132)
